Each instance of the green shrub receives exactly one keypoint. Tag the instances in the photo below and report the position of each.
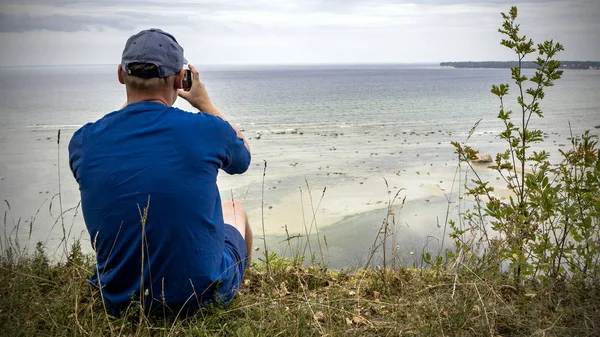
(549, 227)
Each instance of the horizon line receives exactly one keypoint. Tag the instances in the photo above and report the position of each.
(275, 64)
(233, 64)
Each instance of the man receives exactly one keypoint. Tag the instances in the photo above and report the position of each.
(147, 174)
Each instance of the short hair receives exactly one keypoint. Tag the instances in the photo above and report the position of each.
(145, 84)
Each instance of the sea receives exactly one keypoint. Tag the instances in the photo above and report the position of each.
(337, 150)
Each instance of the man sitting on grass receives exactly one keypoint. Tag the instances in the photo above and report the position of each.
(148, 180)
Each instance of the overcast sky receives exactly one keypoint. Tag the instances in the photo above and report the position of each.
(64, 32)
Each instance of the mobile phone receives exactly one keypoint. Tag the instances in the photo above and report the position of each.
(187, 80)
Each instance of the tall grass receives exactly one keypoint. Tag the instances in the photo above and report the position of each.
(294, 299)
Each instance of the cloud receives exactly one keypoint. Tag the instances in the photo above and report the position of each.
(292, 31)
(83, 15)
(119, 20)
(73, 16)
(59, 23)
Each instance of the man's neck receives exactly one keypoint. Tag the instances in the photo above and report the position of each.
(148, 100)
(136, 98)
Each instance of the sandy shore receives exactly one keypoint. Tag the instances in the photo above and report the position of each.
(351, 165)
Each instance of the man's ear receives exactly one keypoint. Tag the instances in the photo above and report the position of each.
(120, 75)
(178, 84)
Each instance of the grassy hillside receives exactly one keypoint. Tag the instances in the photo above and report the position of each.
(38, 298)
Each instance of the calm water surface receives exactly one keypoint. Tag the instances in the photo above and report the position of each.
(340, 128)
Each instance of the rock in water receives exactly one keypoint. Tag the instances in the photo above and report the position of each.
(483, 158)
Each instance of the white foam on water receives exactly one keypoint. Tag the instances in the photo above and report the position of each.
(53, 126)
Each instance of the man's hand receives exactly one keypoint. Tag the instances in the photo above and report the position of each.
(197, 96)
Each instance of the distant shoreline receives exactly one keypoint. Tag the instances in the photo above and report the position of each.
(582, 65)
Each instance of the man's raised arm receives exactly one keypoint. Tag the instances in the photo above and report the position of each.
(198, 97)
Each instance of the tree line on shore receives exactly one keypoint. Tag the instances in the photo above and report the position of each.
(524, 64)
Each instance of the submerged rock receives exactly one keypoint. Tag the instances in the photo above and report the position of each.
(483, 158)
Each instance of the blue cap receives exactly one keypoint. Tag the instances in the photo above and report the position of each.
(156, 47)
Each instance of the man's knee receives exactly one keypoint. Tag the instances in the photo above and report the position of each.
(233, 204)
(234, 214)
